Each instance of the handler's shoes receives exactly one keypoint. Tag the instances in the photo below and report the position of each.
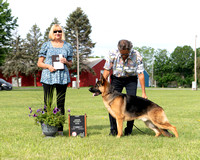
(60, 133)
(127, 132)
(113, 133)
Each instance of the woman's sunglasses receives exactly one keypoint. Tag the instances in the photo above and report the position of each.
(59, 31)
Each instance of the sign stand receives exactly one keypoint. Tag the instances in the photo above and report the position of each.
(77, 125)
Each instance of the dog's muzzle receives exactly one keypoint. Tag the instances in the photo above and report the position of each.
(95, 91)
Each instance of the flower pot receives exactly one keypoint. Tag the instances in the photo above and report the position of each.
(49, 130)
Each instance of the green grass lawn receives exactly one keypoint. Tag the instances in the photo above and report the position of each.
(20, 139)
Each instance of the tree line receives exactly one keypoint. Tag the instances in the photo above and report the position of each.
(174, 69)
(19, 55)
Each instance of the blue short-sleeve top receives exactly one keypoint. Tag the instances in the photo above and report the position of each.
(59, 76)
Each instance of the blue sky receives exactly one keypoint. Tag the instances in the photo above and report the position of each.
(163, 24)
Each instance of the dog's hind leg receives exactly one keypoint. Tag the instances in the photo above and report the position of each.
(166, 133)
(160, 120)
(119, 127)
(168, 126)
(153, 127)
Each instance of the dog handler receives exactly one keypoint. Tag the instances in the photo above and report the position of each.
(127, 67)
(55, 78)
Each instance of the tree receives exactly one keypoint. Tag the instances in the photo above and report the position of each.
(15, 62)
(163, 68)
(7, 24)
(46, 34)
(33, 44)
(147, 55)
(198, 65)
(77, 32)
(183, 65)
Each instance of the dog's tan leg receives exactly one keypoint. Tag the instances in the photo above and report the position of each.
(119, 127)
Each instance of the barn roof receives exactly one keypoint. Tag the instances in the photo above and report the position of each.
(91, 62)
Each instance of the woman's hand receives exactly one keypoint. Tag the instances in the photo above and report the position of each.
(51, 68)
(63, 60)
(41, 64)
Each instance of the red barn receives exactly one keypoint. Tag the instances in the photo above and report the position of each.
(86, 79)
(23, 80)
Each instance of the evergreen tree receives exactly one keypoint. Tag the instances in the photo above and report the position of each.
(7, 24)
(46, 34)
(15, 61)
(33, 44)
(77, 33)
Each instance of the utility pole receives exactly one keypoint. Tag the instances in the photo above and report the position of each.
(77, 52)
(152, 73)
(195, 66)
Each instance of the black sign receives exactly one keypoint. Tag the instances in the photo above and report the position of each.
(77, 125)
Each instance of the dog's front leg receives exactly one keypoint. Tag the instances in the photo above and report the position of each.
(119, 127)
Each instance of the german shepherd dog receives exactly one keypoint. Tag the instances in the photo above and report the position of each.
(125, 107)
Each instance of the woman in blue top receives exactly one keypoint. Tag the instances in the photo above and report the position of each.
(55, 78)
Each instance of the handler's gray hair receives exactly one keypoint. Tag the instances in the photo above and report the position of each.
(125, 45)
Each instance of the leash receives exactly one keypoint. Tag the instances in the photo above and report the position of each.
(138, 129)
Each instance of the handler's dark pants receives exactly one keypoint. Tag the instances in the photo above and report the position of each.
(130, 83)
(60, 95)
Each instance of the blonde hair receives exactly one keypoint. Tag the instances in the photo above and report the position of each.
(53, 28)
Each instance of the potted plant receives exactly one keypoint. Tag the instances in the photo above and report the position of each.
(49, 118)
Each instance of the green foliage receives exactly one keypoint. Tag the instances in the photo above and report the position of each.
(48, 115)
(198, 65)
(198, 69)
(147, 55)
(24, 55)
(33, 45)
(15, 61)
(7, 24)
(183, 65)
(176, 70)
(163, 69)
(77, 33)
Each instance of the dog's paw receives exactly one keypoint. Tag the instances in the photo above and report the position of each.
(118, 136)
